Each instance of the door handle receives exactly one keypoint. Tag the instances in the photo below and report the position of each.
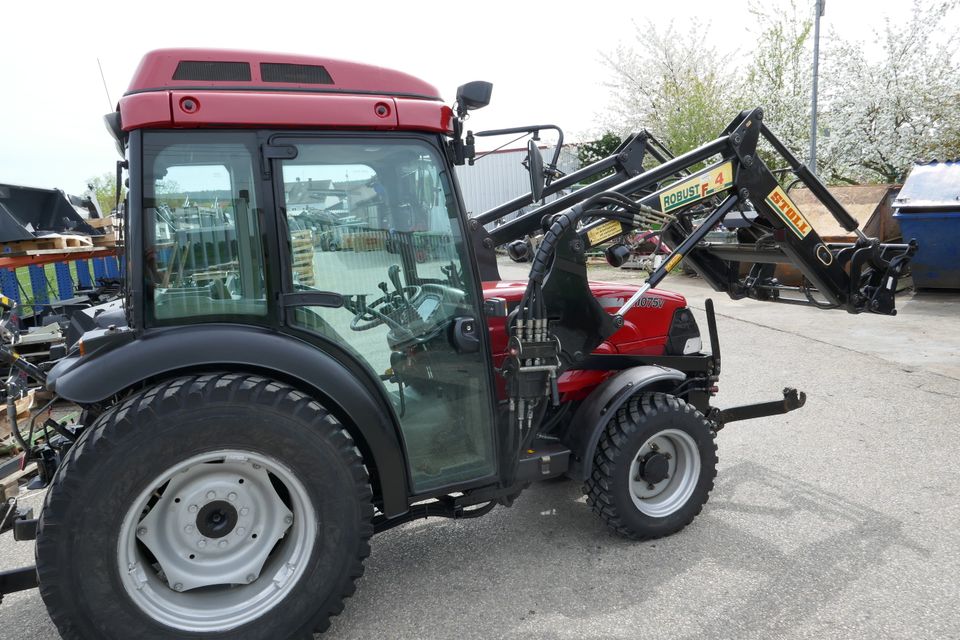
(465, 335)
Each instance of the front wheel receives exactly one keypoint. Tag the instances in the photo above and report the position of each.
(654, 467)
(215, 506)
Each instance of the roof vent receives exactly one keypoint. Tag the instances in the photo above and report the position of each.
(294, 73)
(212, 71)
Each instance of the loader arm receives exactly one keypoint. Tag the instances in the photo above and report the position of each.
(558, 322)
(736, 189)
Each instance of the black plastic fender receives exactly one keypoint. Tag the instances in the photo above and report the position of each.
(595, 412)
(165, 352)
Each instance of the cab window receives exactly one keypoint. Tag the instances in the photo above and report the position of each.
(204, 256)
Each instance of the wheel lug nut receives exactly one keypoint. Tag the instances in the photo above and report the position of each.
(650, 486)
(667, 456)
(178, 587)
(654, 447)
(255, 466)
(251, 578)
(288, 519)
(231, 496)
(193, 508)
(188, 528)
(141, 531)
(202, 544)
(244, 511)
(211, 495)
(222, 544)
(241, 531)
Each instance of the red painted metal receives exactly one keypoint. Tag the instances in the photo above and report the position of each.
(424, 115)
(38, 257)
(157, 68)
(145, 110)
(644, 330)
(242, 108)
(361, 96)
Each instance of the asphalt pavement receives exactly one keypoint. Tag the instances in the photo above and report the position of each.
(836, 521)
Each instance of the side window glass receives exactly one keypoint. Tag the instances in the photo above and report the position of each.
(204, 258)
(375, 221)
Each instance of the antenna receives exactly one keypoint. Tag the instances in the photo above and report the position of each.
(107, 91)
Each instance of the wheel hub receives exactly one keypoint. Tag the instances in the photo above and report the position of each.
(217, 519)
(216, 540)
(664, 473)
(654, 467)
(215, 524)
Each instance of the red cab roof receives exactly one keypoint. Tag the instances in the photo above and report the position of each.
(211, 68)
(178, 88)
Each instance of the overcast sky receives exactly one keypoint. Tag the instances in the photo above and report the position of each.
(543, 58)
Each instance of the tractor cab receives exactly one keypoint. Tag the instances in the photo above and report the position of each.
(332, 217)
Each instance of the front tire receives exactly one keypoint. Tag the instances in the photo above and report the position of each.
(214, 506)
(654, 467)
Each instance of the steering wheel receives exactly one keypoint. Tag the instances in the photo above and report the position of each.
(383, 309)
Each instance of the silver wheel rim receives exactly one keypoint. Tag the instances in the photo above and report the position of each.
(211, 544)
(667, 496)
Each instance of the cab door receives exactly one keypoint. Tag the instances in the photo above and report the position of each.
(373, 222)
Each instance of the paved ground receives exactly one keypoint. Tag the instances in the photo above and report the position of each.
(837, 521)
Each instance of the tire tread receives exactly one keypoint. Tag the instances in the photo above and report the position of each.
(630, 419)
(120, 422)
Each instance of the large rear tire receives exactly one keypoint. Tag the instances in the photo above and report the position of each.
(214, 506)
(654, 467)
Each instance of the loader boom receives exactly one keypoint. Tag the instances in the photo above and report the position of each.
(736, 189)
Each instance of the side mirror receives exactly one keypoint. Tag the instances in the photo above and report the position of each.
(473, 95)
(535, 167)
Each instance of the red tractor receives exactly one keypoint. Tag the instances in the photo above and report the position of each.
(259, 407)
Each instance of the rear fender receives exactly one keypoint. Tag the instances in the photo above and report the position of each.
(601, 405)
(163, 353)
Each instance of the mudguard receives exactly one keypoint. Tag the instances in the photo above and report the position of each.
(596, 411)
(167, 352)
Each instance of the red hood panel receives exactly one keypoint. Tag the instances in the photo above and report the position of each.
(644, 330)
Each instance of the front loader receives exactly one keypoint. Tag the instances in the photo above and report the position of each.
(271, 399)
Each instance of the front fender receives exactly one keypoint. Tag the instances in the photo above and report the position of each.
(166, 352)
(601, 405)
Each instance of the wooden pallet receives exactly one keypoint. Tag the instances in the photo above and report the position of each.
(10, 486)
(47, 243)
(100, 223)
(301, 249)
(24, 406)
(106, 240)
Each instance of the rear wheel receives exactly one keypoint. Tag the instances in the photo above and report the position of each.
(654, 467)
(216, 506)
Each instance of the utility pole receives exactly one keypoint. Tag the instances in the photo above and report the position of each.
(820, 6)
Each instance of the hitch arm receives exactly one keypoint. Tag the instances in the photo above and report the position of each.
(792, 400)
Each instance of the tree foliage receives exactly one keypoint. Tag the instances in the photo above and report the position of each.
(672, 84)
(778, 77)
(595, 150)
(877, 116)
(906, 110)
(104, 187)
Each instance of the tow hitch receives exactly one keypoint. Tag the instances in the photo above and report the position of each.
(792, 400)
(24, 527)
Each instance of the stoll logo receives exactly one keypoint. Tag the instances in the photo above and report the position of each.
(788, 212)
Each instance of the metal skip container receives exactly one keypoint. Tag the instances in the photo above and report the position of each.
(928, 210)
